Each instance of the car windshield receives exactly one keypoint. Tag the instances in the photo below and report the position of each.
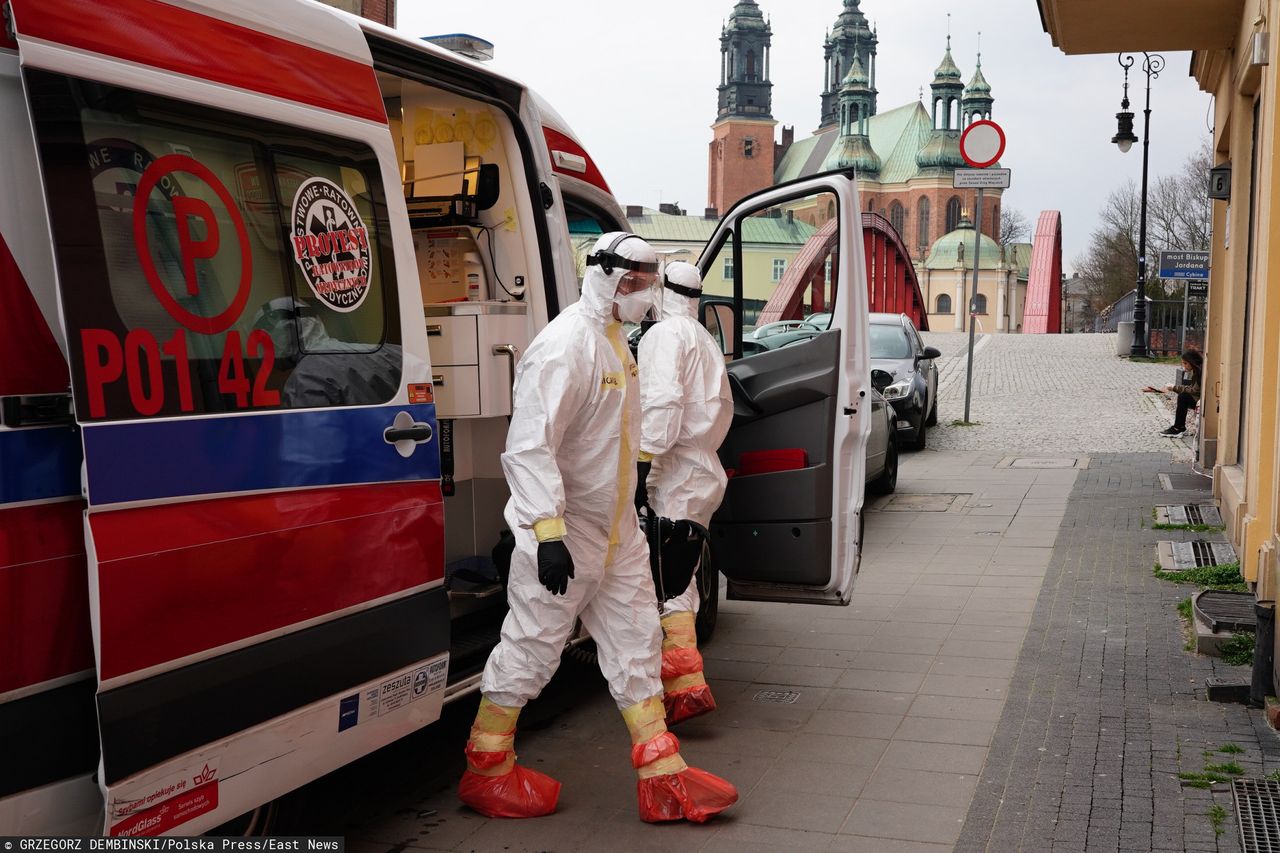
(889, 341)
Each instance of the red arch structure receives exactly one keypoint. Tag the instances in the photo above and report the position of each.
(892, 286)
(1043, 312)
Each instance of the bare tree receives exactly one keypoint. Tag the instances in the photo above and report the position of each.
(1014, 227)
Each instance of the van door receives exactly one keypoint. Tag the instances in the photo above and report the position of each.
(250, 377)
(790, 259)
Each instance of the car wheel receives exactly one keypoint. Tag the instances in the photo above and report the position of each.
(708, 580)
(933, 415)
(922, 431)
(887, 482)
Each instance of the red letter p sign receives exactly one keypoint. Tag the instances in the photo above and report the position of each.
(186, 207)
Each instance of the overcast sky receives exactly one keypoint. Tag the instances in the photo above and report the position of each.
(637, 82)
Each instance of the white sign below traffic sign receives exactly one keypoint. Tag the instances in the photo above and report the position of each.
(981, 179)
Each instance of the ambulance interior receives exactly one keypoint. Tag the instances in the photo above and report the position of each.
(476, 249)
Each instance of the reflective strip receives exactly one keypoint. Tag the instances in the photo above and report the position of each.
(645, 720)
(549, 529)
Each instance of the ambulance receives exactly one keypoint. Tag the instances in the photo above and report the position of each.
(266, 270)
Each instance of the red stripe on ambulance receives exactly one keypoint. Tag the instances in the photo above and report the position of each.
(164, 36)
(44, 600)
(185, 578)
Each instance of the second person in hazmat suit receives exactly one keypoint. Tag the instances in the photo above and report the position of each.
(688, 407)
(570, 463)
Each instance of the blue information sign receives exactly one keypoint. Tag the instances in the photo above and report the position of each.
(1193, 265)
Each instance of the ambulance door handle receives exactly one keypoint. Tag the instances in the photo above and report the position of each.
(405, 434)
(512, 352)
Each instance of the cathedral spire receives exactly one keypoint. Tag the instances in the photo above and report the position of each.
(977, 101)
(852, 35)
(942, 152)
(745, 89)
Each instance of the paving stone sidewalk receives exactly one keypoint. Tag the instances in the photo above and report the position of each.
(1105, 707)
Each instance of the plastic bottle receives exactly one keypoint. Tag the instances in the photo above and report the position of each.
(475, 277)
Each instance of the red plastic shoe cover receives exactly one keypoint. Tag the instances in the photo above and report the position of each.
(680, 661)
(688, 703)
(520, 793)
(692, 794)
(662, 746)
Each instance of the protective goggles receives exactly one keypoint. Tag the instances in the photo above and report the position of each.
(608, 260)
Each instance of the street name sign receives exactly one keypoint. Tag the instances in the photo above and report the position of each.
(1192, 265)
(973, 179)
(1199, 289)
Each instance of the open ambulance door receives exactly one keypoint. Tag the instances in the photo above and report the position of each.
(790, 262)
(251, 382)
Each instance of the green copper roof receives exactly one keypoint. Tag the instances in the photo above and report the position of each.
(856, 80)
(948, 72)
(746, 15)
(945, 254)
(978, 86)
(896, 137)
(667, 228)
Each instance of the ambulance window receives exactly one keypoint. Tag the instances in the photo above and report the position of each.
(211, 262)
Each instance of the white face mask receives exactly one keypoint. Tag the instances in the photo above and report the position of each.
(633, 306)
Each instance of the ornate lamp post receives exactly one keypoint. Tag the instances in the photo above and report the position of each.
(1152, 65)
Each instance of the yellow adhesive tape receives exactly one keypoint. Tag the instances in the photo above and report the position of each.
(486, 742)
(684, 682)
(663, 767)
(678, 631)
(645, 720)
(495, 719)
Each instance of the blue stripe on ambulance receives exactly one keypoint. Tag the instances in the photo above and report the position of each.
(40, 463)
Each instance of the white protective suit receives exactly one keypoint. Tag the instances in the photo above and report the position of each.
(570, 462)
(688, 408)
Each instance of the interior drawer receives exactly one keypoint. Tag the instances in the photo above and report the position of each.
(452, 340)
(457, 391)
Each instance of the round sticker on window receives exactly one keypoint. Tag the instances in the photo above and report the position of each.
(331, 244)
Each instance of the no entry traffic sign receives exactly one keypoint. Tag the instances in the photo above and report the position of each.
(982, 143)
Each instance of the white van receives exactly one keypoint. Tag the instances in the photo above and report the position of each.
(265, 273)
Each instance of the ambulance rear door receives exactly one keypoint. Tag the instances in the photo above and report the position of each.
(251, 380)
(780, 263)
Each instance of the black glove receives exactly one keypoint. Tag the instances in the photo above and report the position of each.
(555, 566)
(642, 484)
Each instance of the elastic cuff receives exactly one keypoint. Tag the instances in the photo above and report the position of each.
(646, 457)
(549, 529)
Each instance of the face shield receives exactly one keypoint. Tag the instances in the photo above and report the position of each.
(637, 279)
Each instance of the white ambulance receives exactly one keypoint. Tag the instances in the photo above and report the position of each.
(265, 273)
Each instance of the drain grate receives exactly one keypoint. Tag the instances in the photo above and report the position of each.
(1258, 814)
(1185, 482)
(1189, 514)
(777, 697)
(921, 503)
(1199, 553)
(1226, 611)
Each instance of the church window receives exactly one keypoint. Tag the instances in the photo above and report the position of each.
(980, 304)
(897, 216)
(779, 268)
(944, 304)
(953, 213)
(922, 224)
(748, 147)
(751, 66)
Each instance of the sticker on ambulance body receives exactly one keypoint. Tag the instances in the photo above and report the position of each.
(331, 244)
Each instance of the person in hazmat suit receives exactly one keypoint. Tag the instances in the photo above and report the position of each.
(570, 463)
(687, 409)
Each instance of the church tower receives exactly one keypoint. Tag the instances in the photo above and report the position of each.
(742, 149)
(851, 36)
(853, 149)
(942, 152)
(977, 100)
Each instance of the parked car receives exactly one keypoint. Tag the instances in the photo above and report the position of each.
(912, 389)
(882, 445)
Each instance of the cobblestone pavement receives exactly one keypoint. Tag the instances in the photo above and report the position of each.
(1051, 393)
(1106, 708)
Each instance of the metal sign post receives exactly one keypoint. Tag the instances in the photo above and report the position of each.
(981, 145)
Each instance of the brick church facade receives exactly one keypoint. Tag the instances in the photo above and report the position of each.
(904, 157)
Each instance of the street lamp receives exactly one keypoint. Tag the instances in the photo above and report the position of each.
(1152, 65)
